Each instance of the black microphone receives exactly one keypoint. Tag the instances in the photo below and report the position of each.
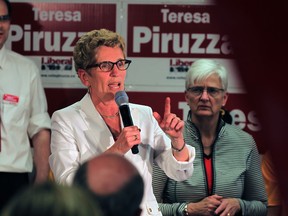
(122, 101)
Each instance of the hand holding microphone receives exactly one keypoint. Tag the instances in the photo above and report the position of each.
(122, 101)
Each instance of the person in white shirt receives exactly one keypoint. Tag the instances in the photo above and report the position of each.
(23, 117)
(93, 125)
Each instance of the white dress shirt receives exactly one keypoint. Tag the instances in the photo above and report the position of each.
(23, 110)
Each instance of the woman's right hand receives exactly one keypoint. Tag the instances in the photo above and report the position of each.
(128, 137)
(205, 207)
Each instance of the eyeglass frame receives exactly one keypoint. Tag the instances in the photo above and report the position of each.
(208, 90)
(113, 63)
(5, 18)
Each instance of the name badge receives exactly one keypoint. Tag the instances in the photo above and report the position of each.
(13, 99)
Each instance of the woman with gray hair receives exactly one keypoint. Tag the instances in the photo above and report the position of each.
(227, 177)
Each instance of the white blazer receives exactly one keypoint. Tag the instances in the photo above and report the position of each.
(79, 133)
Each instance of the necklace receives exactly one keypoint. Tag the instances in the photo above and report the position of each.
(110, 116)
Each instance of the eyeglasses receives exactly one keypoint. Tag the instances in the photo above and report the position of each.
(107, 66)
(4, 18)
(198, 90)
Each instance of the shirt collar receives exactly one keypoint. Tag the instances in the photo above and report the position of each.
(2, 57)
(192, 126)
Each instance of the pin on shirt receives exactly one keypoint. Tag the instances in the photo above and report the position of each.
(12, 99)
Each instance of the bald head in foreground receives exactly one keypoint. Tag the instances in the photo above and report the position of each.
(114, 182)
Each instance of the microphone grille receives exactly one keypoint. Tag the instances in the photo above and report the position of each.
(121, 98)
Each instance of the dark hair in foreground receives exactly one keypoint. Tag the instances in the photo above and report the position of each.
(51, 199)
(124, 202)
(9, 7)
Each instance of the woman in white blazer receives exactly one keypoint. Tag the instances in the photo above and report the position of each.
(93, 125)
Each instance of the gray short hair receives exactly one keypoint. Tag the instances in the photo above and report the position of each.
(201, 69)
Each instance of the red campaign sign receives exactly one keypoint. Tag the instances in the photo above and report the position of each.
(188, 31)
(54, 28)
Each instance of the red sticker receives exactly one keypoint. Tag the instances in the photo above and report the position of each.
(11, 98)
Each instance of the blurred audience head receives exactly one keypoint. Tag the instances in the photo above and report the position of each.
(114, 182)
(51, 199)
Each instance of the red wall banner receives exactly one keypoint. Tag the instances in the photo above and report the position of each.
(162, 44)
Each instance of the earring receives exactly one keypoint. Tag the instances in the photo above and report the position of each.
(222, 112)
